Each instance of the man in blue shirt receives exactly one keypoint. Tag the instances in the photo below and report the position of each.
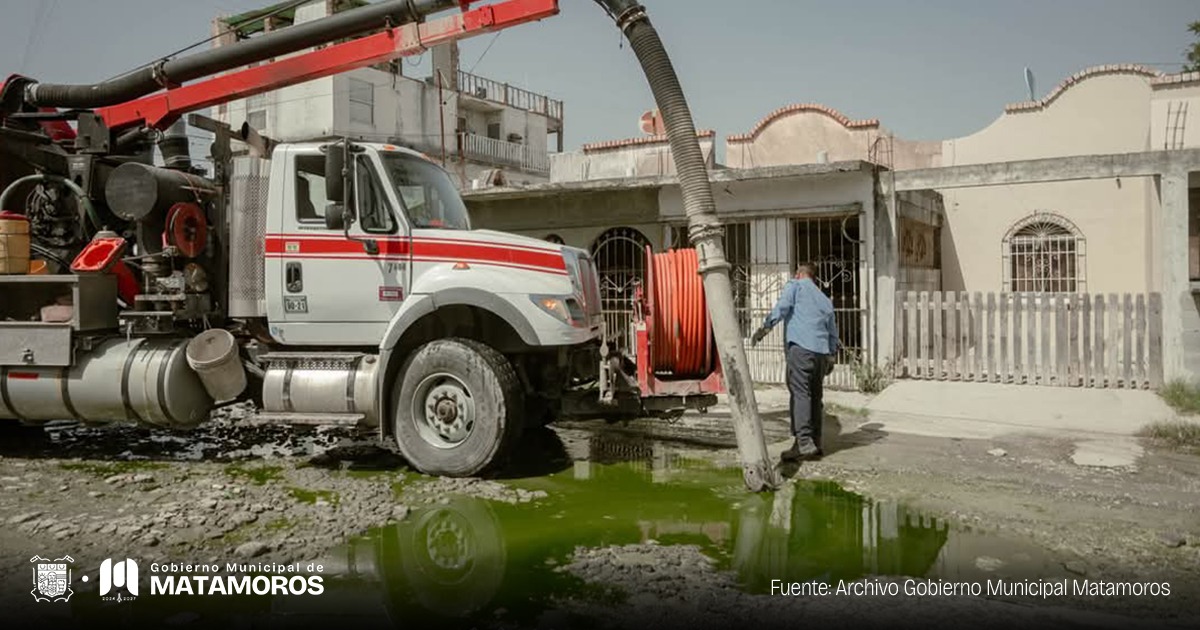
(811, 339)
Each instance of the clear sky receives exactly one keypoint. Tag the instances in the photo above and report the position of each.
(928, 69)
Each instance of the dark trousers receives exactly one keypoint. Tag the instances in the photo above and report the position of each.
(806, 380)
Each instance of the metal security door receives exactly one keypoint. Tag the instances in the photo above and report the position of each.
(834, 244)
(763, 255)
(620, 259)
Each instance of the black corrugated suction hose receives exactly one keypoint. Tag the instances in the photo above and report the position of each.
(152, 78)
(668, 94)
(705, 233)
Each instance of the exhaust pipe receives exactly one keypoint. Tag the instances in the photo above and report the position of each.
(260, 145)
(706, 234)
(174, 147)
(154, 77)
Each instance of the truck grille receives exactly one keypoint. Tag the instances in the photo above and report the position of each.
(247, 230)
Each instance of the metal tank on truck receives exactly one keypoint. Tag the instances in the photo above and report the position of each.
(331, 281)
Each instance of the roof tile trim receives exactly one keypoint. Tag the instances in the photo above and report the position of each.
(607, 145)
(1087, 73)
(1176, 79)
(803, 107)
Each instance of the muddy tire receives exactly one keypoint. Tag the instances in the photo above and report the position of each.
(458, 408)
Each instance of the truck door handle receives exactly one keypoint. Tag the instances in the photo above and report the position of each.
(294, 278)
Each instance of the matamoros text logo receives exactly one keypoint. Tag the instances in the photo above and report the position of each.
(122, 580)
(236, 579)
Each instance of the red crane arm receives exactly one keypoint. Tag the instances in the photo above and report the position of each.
(161, 109)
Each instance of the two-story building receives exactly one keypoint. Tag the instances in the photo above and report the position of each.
(486, 132)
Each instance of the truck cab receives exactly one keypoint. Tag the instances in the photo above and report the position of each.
(370, 263)
(341, 271)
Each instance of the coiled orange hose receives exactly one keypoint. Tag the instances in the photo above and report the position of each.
(682, 333)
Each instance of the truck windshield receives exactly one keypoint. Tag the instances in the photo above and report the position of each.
(427, 193)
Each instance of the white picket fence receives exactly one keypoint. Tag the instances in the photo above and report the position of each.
(1068, 340)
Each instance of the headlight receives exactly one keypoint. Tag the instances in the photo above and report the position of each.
(564, 309)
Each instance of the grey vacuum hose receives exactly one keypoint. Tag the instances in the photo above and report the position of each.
(705, 233)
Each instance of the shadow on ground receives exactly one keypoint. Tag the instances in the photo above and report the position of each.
(540, 452)
(835, 439)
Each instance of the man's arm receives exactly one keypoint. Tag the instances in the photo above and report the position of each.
(783, 308)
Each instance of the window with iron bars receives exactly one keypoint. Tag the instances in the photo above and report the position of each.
(1044, 253)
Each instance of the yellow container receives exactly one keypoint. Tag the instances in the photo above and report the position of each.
(14, 244)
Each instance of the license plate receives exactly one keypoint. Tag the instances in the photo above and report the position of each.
(295, 304)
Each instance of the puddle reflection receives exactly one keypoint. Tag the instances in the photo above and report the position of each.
(473, 560)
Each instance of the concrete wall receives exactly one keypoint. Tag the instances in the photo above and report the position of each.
(635, 160)
(577, 218)
(808, 133)
(921, 216)
(1106, 113)
(1110, 216)
(816, 193)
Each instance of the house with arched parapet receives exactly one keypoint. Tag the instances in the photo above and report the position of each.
(1106, 160)
(1058, 245)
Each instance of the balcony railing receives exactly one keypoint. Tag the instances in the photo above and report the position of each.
(493, 151)
(498, 92)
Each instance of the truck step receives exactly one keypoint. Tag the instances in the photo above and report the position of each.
(309, 419)
(310, 356)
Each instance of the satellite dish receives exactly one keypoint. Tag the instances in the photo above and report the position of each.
(1029, 83)
(652, 123)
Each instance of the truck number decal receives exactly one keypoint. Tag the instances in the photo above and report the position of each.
(295, 304)
(291, 247)
(394, 267)
(391, 294)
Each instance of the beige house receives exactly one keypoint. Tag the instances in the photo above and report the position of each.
(1073, 217)
(1103, 110)
(1027, 218)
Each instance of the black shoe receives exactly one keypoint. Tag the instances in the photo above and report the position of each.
(798, 452)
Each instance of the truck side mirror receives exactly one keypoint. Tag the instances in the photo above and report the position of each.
(335, 216)
(335, 178)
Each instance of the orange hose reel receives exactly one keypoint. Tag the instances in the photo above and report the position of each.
(677, 320)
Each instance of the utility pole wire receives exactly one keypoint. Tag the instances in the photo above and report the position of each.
(40, 17)
(485, 52)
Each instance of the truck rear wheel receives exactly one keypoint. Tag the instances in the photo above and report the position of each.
(458, 408)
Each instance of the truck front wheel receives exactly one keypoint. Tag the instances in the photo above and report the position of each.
(458, 408)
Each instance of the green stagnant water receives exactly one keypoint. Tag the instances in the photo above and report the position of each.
(456, 562)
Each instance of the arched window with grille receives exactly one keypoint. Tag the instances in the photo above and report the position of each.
(620, 257)
(1044, 253)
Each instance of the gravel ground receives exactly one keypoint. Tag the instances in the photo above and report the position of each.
(228, 492)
